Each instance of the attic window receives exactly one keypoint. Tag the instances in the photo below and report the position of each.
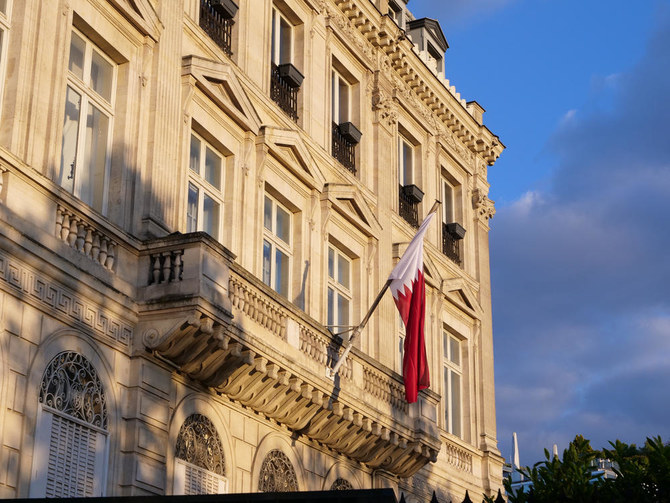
(437, 56)
(395, 12)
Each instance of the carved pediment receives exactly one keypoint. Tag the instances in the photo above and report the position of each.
(218, 81)
(348, 201)
(141, 15)
(288, 148)
(460, 294)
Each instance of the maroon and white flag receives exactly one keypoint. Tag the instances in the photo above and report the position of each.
(408, 287)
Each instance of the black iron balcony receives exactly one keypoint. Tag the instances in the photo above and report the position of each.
(410, 197)
(216, 18)
(345, 138)
(452, 235)
(285, 80)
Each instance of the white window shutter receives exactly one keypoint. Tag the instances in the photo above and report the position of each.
(191, 479)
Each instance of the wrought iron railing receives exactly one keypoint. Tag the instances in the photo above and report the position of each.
(218, 27)
(344, 150)
(408, 208)
(451, 246)
(282, 93)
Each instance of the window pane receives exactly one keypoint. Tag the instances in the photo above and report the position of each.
(68, 157)
(344, 100)
(283, 229)
(406, 163)
(331, 263)
(281, 273)
(456, 404)
(213, 168)
(285, 41)
(331, 307)
(194, 163)
(445, 344)
(210, 217)
(192, 209)
(334, 91)
(267, 214)
(267, 263)
(274, 37)
(77, 49)
(445, 400)
(342, 271)
(343, 310)
(101, 76)
(455, 353)
(91, 185)
(448, 203)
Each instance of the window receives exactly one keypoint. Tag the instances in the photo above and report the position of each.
(437, 56)
(409, 194)
(452, 231)
(282, 39)
(341, 99)
(452, 385)
(402, 332)
(200, 463)
(89, 96)
(277, 474)
(205, 199)
(405, 161)
(339, 289)
(285, 79)
(71, 433)
(216, 18)
(345, 135)
(395, 11)
(276, 246)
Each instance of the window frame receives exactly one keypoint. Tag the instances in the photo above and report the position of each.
(88, 97)
(448, 201)
(276, 42)
(205, 187)
(277, 243)
(334, 317)
(336, 98)
(449, 369)
(403, 142)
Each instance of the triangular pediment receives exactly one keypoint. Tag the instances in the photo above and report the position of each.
(288, 148)
(348, 201)
(460, 294)
(141, 15)
(219, 82)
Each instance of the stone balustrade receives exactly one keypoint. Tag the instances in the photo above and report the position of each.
(458, 457)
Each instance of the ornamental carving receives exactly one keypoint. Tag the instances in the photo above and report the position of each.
(198, 443)
(483, 205)
(71, 385)
(385, 107)
(277, 474)
(341, 485)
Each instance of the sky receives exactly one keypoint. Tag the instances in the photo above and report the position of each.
(579, 93)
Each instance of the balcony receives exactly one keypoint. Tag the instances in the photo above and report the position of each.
(452, 236)
(408, 206)
(285, 81)
(216, 18)
(223, 328)
(345, 138)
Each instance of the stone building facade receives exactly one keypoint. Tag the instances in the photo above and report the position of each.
(197, 197)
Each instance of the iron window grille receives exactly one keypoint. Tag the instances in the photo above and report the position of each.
(283, 93)
(217, 26)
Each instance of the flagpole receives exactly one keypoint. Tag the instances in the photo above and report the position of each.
(331, 373)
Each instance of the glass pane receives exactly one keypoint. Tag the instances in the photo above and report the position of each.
(267, 214)
(331, 263)
(68, 156)
(274, 37)
(76, 63)
(448, 203)
(456, 404)
(406, 163)
(267, 263)
(331, 314)
(194, 162)
(344, 100)
(343, 310)
(101, 76)
(445, 344)
(334, 89)
(92, 177)
(281, 273)
(192, 209)
(210, 217)
(445, 399)
(455, 353)
(283, 229)
(342, 270)
(213, 168)
(285, 41)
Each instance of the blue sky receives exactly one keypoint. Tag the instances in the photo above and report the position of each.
(578, 91)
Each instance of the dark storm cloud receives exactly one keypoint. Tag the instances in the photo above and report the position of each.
(581, 274)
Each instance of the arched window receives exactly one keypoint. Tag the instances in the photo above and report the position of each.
(200, 464)
(341, 484)
(71, 435)
(277, 474)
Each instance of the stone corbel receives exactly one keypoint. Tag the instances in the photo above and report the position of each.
(484, 207)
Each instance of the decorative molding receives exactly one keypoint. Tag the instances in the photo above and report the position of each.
(53, 296)
(386, 108)
(483, 205)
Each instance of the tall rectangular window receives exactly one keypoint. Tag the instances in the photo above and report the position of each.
(341, 91)
(452, 384)
(277, 222)
(89, 111)
(405, 161)
(447, 202)
(282, 39)
(205, 197)
(339, 289)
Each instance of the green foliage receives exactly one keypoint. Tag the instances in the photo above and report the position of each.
(643, 475)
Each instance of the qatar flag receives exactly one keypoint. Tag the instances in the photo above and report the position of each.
(408, 287)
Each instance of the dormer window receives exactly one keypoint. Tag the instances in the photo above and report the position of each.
(395, 13)
(427, 35)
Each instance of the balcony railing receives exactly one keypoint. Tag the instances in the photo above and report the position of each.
(451, 246)
(218, 27)
(344, 150)
(408, 208)
(284, 93)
